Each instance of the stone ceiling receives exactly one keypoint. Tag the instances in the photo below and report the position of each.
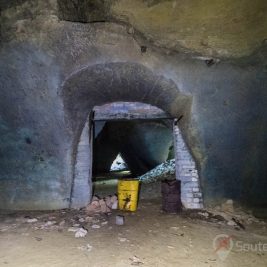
(217, 28)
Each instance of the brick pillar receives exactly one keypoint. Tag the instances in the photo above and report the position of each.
(187, 173)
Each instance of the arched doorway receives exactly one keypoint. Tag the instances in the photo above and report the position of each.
(106, 83)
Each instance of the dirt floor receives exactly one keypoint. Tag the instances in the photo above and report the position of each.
(149, 237)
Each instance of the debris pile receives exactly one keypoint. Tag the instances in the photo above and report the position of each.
(102, 205)
(161, 172)
(77, 221)
(227, 214)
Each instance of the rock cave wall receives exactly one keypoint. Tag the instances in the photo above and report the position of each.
(53, 71)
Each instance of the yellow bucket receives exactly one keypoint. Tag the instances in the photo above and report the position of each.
(128, 194)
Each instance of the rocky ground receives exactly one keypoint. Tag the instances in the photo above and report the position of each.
(148, 237)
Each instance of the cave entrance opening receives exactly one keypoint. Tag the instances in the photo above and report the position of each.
(129, 139)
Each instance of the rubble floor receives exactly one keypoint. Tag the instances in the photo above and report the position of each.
(149, 237)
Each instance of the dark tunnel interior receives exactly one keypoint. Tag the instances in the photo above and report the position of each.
(142, 145)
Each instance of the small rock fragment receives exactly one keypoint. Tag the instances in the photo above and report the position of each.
(73, 229)
(114, 202)
(62, 223)
(49, 223)
(120, 220)
(81, 220)
(231, 223)
(81, 232)
(87, 248)
(4, 228)
(95, 226)
(136, 261)
(114, 205)
(122, 239)
(33, 220)
(204, 214)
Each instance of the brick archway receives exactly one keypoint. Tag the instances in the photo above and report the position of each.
(106, 83)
